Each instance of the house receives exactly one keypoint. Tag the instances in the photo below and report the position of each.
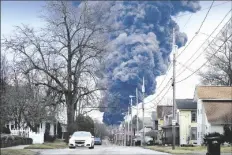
(50, 125)
(214, 109)
(187, 119)
(149, 129)
(148, 125)
(162, 111)
(25, 131)
(186, 122)
(167, 130)
(154, 120)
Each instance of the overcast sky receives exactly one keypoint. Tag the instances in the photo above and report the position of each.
(17, 13)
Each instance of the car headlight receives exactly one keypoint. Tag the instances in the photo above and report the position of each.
(89, 141)
(71, 140)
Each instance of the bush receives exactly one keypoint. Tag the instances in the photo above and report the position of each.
(5, 130)
(228, 134)
(9, 140)
(49, 138)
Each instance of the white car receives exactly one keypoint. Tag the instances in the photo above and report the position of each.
(81, 139)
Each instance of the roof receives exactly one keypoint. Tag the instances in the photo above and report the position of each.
(213, 92)
(218, 112)
(163, 110)
(186, 104)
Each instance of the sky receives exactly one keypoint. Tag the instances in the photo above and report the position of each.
(17, 13)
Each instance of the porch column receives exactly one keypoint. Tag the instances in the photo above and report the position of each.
(51, 129)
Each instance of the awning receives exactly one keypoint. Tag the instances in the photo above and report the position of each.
(169, 126)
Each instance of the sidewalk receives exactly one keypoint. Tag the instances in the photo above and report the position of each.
(15, 147)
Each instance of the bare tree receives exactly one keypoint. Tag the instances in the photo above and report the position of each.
(219, 69)
(63, 54)
(3, 84)
(27, 104)
(100, 130)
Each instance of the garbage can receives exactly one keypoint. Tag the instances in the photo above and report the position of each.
(213, 145)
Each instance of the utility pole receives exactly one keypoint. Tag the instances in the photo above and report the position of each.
(137, 105)
(174, 92)
(143, 91)
(131, 101)
(128, 125)
(116, 141)
(124, 135)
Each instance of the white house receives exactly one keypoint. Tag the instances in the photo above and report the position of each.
(186, 118)
(214, 109)
(49, 124)
(38, 138)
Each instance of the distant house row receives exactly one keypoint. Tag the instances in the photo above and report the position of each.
(207, 112)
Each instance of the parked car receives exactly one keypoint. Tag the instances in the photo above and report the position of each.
(97, 141)
(81, 139)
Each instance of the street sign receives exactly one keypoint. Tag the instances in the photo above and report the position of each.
(173, 122)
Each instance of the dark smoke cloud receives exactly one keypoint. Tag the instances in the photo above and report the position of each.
(140, 47)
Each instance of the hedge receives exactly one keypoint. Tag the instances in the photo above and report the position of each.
(9, 140)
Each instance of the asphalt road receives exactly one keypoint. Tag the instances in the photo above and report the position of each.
(102, 150)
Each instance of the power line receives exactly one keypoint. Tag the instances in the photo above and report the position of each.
(161, 97)
(160, 92)
(187, 21)
(205, 62)
(191, 69)
(165, 76)
(197, 31)
(203, 44)
(205, 16)
(183, 50)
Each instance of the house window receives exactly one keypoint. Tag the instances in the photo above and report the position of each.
(12, 127)
(156, 125)
(193, 133)
(193, 116)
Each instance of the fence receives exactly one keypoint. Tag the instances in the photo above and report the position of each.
(21, 133)
(38, 138)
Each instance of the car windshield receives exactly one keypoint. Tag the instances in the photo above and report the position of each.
(81, 134)
(97, 139)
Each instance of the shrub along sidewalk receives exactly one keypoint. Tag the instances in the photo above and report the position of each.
(48, 145)
(187, 150)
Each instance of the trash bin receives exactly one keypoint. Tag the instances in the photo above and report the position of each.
(213, 145)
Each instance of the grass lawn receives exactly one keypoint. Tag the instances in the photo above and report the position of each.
(46, 145)
(17, 151)
(187, 150)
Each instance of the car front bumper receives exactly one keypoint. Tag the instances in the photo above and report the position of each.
(73, 144)
(97, 143)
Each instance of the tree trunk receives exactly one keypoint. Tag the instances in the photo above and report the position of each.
(70, 116)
